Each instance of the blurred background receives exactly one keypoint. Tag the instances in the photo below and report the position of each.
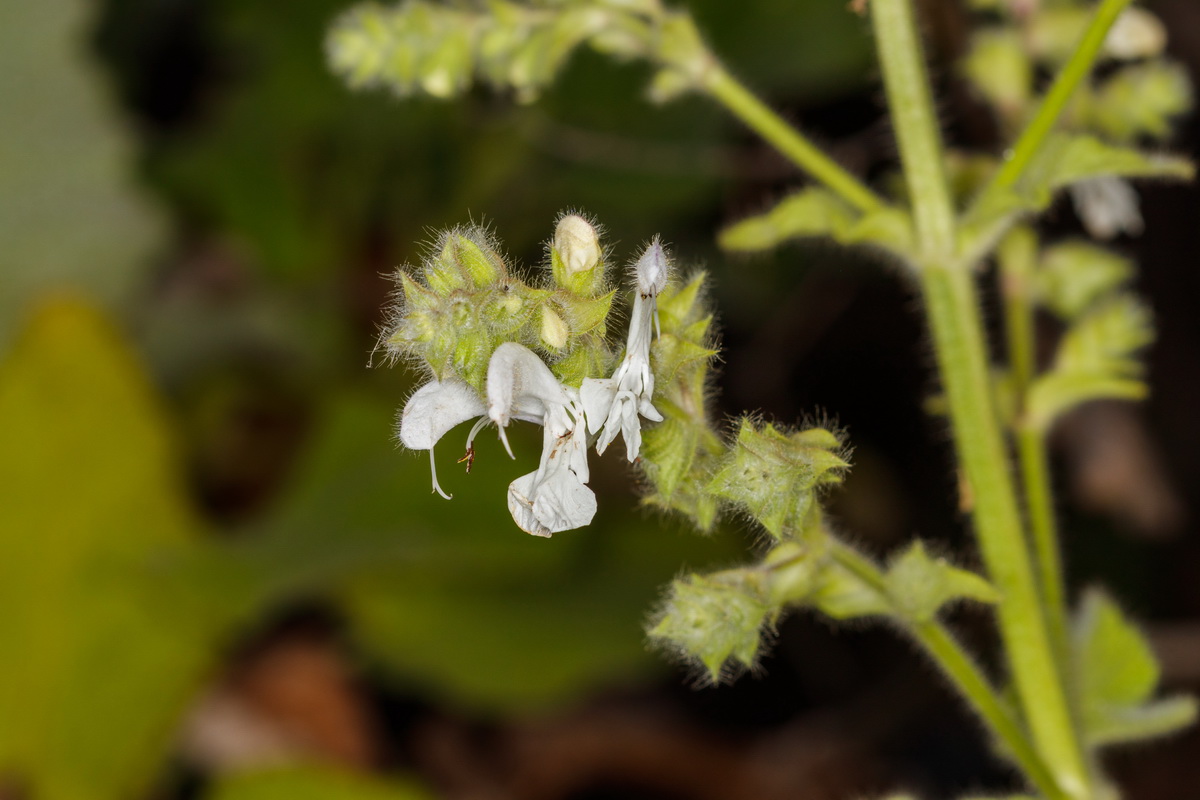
(213, 559)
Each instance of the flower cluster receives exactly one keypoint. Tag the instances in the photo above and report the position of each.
(477, 328)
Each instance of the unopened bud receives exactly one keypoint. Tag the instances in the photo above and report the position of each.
(577, 244)
(554, 329)
(652, 269)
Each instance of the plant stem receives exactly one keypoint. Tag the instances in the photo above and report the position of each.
(911, 104)
(953, 310)
(1035, 476)
(1017, 260)
(1077, 68)
(965, 675)
(803, 153)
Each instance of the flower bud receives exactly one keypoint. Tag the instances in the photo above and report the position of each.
(651, 270)
(471, 254)
(575, 256)
(554, 329)
(577, 244)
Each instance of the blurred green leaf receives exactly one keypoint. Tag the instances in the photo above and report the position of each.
(69, 214)
(452, 594)
(1097, 358)
(312, 783)
(99, 645)
(1117, 676)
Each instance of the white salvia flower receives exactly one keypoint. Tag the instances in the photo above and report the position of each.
(612, 405)
(554, 497)
(1107, 207)
(433, 410)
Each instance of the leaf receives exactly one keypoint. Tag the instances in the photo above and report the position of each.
(312, 783)
(1075, 274)
(809, 212)
(101, 641)
(817, 212)
(1067, 159)
(70, 213)
(1096, 359)
(1117, 676)
(921, 585)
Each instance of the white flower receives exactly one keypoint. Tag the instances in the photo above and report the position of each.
(433, 410)
(612, 405)
(1107, 206)
(554, 497)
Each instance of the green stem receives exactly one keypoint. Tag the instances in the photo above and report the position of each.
(803, 153)
(1077, 68)
(1035, 475)
(911, 105)
(953, 310)
(1017, 260)
(965, 675)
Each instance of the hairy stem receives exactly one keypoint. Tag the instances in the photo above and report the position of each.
(962, 671)
(1077, 68)
(953, 310)
(911, 105)
(1017, 261)
(770, 126)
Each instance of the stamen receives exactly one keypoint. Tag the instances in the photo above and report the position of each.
(507, 447)
(433, 471)
(475, 429)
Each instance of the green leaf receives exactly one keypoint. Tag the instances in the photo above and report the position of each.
(1140, 100)
(312, 783)
(810, 212)
(921, 585)
(1117, 676)
(817, 212)
(1096, 359)
(1063, 160)
(102, 637)
(1075, 274)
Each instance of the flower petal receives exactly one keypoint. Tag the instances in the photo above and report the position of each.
(596, 396)
(434, 409)
(521, 386)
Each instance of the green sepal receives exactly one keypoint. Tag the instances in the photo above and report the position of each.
(715, 618)
(472, 253)
(1117, 675)
(841, 594)
(584, 314)
(774, 475)
(921, 585)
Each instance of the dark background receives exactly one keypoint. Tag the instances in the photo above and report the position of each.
(402, 634)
